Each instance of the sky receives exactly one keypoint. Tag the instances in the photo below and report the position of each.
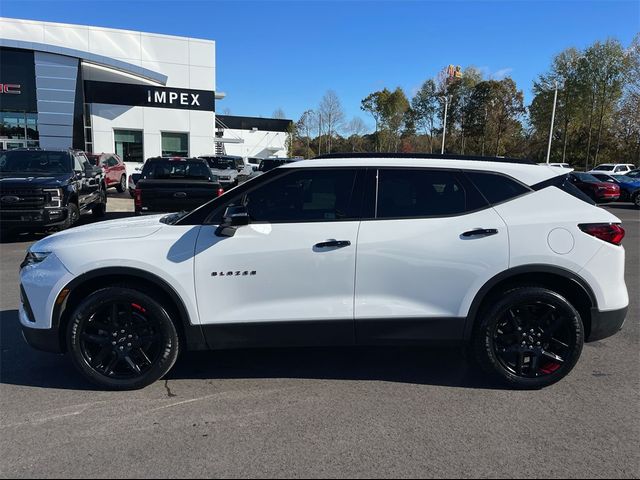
(287, 54)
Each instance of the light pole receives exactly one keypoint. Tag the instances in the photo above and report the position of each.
(553, 117)
(444, 121)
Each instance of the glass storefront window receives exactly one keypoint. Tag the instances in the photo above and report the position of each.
(175, 144)
(18, 130)
(129, 145)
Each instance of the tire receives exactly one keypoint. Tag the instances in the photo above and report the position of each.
(122, 339)
(99, 210)
(121, 187)
(530, 338)
(636, 199)
(132, 193)
(73, 215)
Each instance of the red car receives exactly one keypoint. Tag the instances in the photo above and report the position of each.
(114, 169)
(597, 190)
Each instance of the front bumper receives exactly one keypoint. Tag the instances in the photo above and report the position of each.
(47, 340)
(27, 220)
(606, 324)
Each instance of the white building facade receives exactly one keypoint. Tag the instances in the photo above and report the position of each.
(103, 90)
(252, 137)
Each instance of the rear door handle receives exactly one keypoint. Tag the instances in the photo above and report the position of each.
(480, 232)
(333, 244)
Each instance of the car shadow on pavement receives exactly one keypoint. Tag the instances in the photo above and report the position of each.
(22, 365)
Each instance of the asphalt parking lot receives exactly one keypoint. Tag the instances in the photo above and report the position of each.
(369, 412)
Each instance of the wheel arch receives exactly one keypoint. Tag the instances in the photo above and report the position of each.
(573, 287)
(145, 281)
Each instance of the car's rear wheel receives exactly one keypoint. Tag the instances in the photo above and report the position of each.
(636, 199)
(122, 339)
(530, 338)
(121, 187)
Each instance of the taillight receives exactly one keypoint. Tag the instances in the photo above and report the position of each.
(220, 191)
(609, 232)
(137, 196)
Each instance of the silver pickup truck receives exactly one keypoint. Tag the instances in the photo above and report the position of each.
(230, 170)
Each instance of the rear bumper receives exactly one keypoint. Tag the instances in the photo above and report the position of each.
(606, 324)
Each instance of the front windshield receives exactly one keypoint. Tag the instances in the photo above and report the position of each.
(34, 161)
(168, 169)
(604, 168)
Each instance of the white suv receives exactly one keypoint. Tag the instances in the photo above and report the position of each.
(502, 255)
(614, 168)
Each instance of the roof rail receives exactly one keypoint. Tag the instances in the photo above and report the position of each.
(433, 156)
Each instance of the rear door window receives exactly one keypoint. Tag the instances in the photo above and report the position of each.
(415, 193)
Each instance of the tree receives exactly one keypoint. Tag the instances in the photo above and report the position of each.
(279, 113)
(394, 108)
(372, 104)
(356, 128)
(305, 126)
(331, 114)
(424, 106)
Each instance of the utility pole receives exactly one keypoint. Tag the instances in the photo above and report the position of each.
(553, 117)
(444, 122)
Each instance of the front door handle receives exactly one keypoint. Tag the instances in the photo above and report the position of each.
(480, 232)
(333, 244)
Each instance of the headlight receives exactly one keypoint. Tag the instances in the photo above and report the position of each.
(34, 258)
(54, 198)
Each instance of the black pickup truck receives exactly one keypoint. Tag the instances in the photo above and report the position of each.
(168, 185)
(42, 190)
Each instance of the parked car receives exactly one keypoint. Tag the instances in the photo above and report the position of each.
(133, 180)
(634, 173)
(268, 164)
(115, 172)
(629, 187)
(597, 190)
(227, 168)
(41, 190)
(613, 168)
(500, 254)
(174, 185)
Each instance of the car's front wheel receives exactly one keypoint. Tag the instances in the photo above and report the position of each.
(636, 199)
(122, 339)
(530, 338)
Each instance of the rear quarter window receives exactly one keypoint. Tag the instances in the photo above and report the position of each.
(497, 188)
(564, 183)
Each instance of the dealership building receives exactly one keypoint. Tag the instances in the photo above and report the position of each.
(137, 94)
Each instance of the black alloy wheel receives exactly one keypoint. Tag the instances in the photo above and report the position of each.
(531, 338)
(122, 339)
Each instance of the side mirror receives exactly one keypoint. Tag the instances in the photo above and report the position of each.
(234, 216)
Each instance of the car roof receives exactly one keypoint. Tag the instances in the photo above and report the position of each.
(525, 171)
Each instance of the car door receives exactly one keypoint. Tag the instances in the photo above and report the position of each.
(287, 278)
(430, 245)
